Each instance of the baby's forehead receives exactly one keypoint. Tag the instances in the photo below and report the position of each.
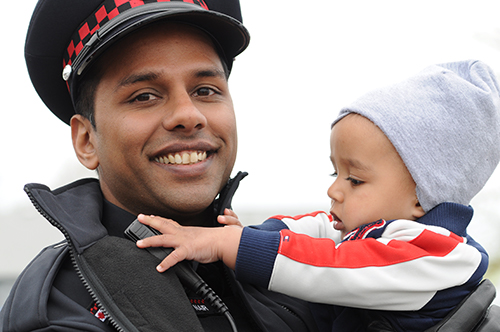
(355, 128)
(355, 121)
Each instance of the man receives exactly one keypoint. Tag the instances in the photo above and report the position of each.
(144, 89)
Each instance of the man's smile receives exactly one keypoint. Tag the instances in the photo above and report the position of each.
(182, 158)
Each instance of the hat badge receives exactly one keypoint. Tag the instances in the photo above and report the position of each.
(66, 73)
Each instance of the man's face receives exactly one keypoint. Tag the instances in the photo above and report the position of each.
(165, 134)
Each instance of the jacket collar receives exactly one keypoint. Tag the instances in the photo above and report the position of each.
(77, 208)
(452, 216)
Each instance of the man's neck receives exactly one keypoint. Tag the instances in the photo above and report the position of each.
(206, 219)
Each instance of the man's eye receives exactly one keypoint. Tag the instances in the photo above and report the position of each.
(144, 97)
(205, 92)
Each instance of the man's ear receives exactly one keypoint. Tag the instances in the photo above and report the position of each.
(83, 137)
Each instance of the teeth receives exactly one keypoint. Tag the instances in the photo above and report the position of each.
(193, 157)
(185, 158)
(182, 158)
(178, 159)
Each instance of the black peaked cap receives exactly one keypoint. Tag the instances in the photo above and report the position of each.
(55, 23)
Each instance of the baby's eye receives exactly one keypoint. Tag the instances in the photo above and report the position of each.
(354, 182)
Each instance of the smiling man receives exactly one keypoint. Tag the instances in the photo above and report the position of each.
(144, 88)
(164, 123)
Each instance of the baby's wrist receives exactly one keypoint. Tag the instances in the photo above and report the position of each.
(228, 245)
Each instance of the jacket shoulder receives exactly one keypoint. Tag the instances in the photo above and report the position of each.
(25, 309)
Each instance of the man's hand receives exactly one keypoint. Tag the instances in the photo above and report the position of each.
(202, 244)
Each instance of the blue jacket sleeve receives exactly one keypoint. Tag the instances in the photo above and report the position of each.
(261, 246)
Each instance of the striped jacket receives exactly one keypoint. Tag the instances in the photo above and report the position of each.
(408, 273)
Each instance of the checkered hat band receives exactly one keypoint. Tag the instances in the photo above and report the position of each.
(108, 10)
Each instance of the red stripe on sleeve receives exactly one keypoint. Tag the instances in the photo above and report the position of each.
(364, 252)
(300, 216)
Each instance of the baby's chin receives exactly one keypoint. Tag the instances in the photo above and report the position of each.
(339, 225)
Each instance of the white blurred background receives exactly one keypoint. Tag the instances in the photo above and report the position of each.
(305, 61)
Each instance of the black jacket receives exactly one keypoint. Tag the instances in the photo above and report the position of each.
(121, 278)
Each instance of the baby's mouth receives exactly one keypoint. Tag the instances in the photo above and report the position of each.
(337, 222)
(182, 158)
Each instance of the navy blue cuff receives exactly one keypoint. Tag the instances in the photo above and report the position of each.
(256, 255)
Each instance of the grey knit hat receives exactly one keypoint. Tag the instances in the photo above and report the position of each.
(445, 125)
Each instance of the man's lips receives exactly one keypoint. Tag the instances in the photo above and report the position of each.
(182, 158)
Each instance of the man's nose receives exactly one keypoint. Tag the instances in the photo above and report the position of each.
(182, 114)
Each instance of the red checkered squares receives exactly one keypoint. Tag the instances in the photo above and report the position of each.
(107, 11)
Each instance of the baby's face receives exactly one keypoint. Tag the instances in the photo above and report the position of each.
(372, 181)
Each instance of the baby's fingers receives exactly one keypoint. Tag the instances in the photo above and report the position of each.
(173, 258)
(229, 221)
(155, 241)
(161, 224)
(229, 212)
(229, 218)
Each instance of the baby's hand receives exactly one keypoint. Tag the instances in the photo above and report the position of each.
(203, 244)
(229, 218)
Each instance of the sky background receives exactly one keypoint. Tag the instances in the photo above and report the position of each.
(306, 60)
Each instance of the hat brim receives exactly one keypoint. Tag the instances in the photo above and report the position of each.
(46, 69)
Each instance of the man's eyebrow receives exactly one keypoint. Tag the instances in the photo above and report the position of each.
(151, 76)
(135, 78)
(210, 73)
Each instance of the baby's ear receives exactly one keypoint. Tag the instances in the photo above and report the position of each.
(418, 211)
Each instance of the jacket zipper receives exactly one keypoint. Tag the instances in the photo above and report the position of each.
(56, 224)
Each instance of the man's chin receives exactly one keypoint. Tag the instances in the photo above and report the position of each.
(190, 210)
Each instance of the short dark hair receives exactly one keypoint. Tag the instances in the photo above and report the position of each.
(84, 102)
